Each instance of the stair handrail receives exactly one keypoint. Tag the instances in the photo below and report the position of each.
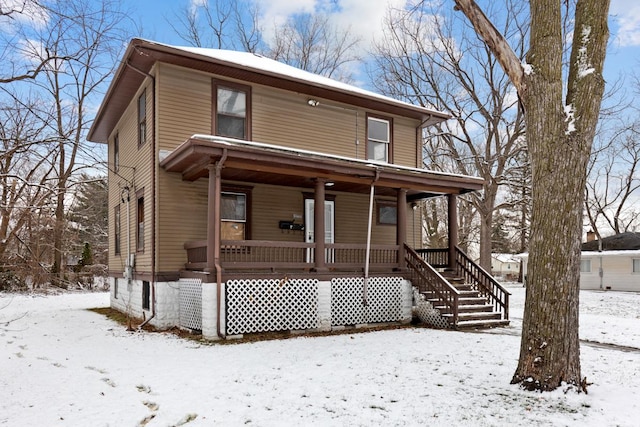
(428, 278)
(488, 286)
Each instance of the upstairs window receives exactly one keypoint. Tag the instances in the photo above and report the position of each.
(142, 118)
(116, 153)
(231, 116)
(378, 139)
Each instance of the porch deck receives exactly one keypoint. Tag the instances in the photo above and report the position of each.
(464, 293)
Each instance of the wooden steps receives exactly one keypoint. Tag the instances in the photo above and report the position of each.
(474, 310)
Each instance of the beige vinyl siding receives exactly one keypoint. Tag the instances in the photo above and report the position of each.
(134, 172)
(184, 105)
(183, 217)
(404, 142)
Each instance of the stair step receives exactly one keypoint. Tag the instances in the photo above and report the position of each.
(472, 301)
(481, 324)
(483, 315)
(473, 308)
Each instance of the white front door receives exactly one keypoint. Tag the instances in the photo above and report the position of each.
(329, 226)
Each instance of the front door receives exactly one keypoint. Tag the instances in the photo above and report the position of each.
(329, 226)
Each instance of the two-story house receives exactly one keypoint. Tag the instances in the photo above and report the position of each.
(246, 195)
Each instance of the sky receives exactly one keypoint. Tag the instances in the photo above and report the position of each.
(364, 17)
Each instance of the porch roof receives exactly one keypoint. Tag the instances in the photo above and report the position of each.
(250, 161)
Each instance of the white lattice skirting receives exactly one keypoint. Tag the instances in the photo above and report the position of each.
(191, 304)
(426, 313)
(383, 295)
(271, 305)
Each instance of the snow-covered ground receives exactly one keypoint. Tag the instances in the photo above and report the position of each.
(61, 365)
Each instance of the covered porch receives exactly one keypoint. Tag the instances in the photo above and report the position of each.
(221, 159)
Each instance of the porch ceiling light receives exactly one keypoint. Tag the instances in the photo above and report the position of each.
(329, 184)
(313, 102)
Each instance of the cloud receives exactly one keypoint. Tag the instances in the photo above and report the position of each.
(362, 18)
(22, 13)
(627, 16)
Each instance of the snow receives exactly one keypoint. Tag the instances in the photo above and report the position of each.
(569, 112)
(316, 154)
(527, 68)
(63, 365)
(584, 67)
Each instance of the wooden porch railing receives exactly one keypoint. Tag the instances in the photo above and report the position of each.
(437, 258)
(497, 295)
(427, 279)
(261, 254)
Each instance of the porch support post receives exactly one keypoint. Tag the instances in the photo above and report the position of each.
(453, 228)
(401, 227)
(213, 217)
(318, 225)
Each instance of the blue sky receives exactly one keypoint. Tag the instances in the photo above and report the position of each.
(362, 15)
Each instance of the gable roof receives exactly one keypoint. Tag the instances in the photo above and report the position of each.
(141, 55)
(617, 242)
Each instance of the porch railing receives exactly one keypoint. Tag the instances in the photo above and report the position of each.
(427, 279)
(261, 254)
(488, 287)
(437, 258)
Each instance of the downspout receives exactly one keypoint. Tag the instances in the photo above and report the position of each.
(216, 247)
(153, 193)
(368, 249)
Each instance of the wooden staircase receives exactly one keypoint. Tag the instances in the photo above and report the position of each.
(474, 310)
(467, 297)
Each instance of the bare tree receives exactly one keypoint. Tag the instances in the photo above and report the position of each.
(223, 25)
(312, 43)
(309, 41)
(26, 170)
(435, 59)
(84, 38)
(560, 134)
(612, 182)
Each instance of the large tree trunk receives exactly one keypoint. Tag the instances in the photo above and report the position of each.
(559, 140)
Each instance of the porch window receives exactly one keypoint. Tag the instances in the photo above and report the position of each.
(233, 213)
(142, 118)
(231, 117)
(387, 213)
(636, 265)
(140, 223)
(379, 139)
(585, 266)
(116, 223)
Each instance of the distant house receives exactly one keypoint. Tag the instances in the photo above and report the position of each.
(246, 196)
(505, 265)
(615, 267)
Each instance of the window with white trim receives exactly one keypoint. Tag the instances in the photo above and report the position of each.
(585, 266)
(636, 265)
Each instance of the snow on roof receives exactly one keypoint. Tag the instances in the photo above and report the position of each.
(596, 254)
(505, 257)
(301, 152)
(259, 63)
